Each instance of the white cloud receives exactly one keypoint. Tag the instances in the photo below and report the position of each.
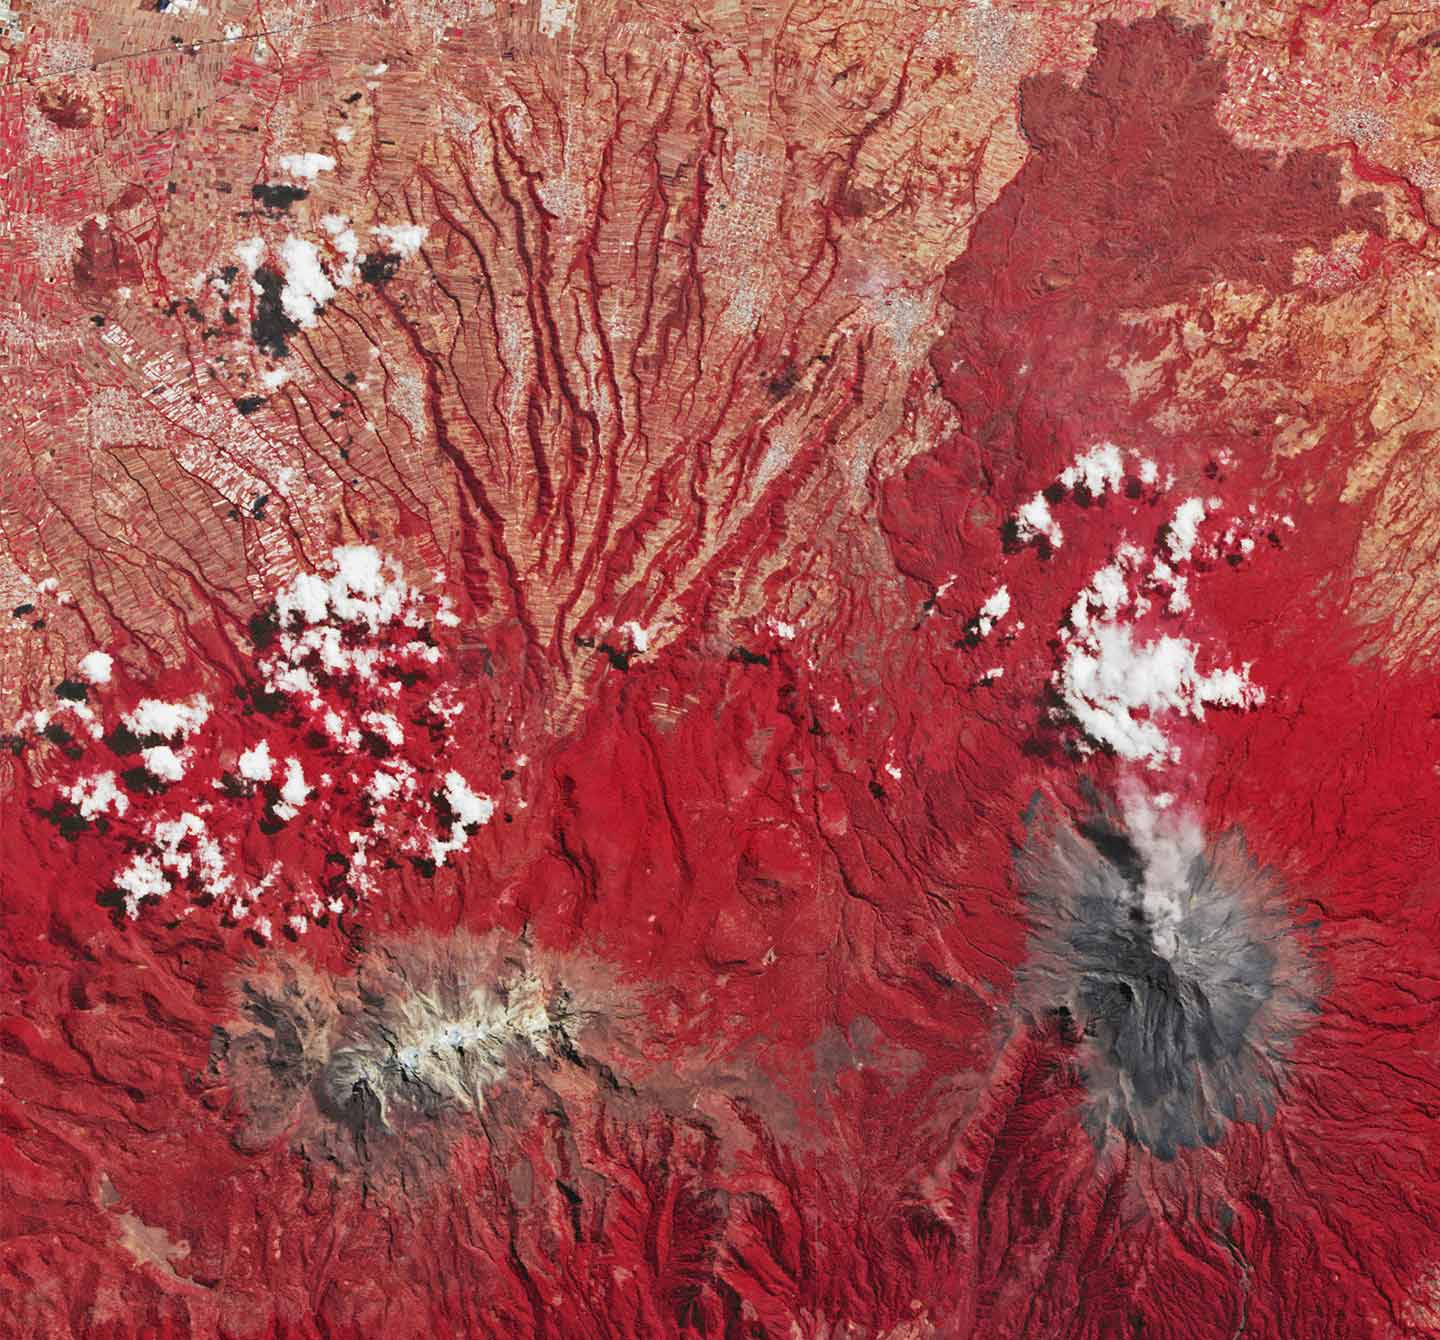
(354, 618)
(163, 762)
(361, 569)
(1108, 678)
(293, 790)
(992, 611)
(142, 878)
(364, 588)
(343, 239)
(1098, 469)
(306, 286)
(97, 795)
(306, 595)
(1184, 527)
(1108, 591)
(382, 786)
(1033, 519)
(470, 809)
(181, 848)
(385, 725)
(404, 238)
(337, 728)
(151, 716)
(306, 166)
(255, 764)
(251, 252)
(96, 667)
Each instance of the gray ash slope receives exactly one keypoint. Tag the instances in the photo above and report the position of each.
(1170, 961)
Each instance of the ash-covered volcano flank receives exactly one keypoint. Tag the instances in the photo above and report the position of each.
(1171, 962)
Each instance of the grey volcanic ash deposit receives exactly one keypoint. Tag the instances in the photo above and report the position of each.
(1171, 960)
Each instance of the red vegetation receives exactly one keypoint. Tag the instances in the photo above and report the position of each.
(784, 1084)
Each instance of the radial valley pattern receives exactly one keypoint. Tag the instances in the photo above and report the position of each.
(719, 671)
